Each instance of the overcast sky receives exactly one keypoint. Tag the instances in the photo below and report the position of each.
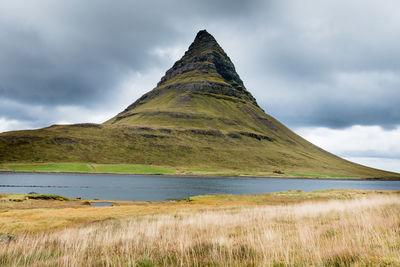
(330, 70)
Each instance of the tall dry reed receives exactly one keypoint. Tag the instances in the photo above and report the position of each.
(339, 233)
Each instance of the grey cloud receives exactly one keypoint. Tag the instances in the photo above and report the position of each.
(301, 59)
(77, 53)
(81, 65)
(291, 56)
(334, 107)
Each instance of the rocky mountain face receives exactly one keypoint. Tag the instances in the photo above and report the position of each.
(205, 55)
(205, 69)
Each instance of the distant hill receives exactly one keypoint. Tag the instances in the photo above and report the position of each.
(200, 117)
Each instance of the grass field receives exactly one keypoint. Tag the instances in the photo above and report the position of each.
(317, 175)
(50, 167)
(151, 169)
(293, 228)
(129, 168)
(87, 168)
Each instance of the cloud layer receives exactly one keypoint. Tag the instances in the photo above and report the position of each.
(330, 63)
(309, 63)
(356, 141)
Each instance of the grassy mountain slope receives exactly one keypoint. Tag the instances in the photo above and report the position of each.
(200, 116)
(182, 150)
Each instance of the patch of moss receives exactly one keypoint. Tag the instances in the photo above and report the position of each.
(48, 197)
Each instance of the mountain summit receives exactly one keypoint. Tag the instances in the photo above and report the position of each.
(207, 61)
(201, 89)
(199, 119)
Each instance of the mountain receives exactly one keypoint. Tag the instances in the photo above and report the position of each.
(202, 90)
(199, 118)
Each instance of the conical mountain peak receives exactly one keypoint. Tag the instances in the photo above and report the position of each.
(204, 36)
(203, 82)
(203, 41)
(206, 63)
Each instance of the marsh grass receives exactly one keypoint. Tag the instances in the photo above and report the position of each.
(356, 232)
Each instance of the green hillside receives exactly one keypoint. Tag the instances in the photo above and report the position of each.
(200, 119)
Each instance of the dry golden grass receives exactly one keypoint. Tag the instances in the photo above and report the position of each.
(20, 215)
(356, 232)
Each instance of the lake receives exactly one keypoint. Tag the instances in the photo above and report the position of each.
(161, 188)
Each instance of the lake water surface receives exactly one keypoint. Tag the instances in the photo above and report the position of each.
(160, 188)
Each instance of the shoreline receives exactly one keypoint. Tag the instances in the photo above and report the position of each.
(202, 176)
(80, 200)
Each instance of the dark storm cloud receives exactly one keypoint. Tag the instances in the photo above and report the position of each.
(333, 115)
(315, 63)
(336, 100)
(76, 52)
(328, 64)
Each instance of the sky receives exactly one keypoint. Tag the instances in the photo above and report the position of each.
(329, 70)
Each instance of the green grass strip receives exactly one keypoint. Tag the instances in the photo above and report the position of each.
(200, 170)
(318, 175)
(50, 167)
(132, 168)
